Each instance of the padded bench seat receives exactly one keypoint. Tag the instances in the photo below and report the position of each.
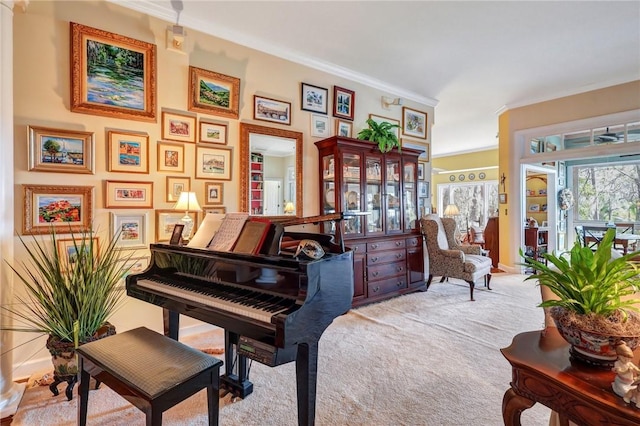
(151, 371)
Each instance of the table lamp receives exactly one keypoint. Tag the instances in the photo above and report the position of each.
(187, 202)
(289, 208)
(451, 210)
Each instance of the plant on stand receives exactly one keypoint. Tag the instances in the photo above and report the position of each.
(595, 308)
(382, 134)
(69, 296)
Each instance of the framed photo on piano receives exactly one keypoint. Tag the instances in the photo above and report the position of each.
(176, 235)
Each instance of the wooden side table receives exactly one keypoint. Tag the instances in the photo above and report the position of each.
(542, 372)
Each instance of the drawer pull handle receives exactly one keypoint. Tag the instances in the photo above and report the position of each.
(374, 259)
(399, 256)
(376, 289)
(399, 269)
(375, 274)
(374, 246)
(398, 243)
(399, 284)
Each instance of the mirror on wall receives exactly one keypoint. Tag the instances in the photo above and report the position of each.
(270, 171)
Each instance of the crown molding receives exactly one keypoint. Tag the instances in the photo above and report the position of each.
(161, 11)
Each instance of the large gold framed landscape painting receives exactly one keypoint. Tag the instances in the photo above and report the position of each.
(112, 75)
(213, 93)
(65, 209)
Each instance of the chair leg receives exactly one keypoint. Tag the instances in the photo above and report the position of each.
(444, 277)
(213, 404)
(471, 287)
(429, 281)
(487, 280)
(83, 394)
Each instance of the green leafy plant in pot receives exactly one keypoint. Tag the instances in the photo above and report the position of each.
(69, 296)
(595, 308)
(382, 134)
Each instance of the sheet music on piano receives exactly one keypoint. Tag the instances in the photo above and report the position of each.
(228, 232)
(206, 231)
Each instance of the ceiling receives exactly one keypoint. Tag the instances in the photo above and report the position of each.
(469, 59)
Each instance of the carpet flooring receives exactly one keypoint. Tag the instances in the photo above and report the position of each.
(429, 358)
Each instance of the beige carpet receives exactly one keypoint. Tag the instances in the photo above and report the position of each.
(422, 359)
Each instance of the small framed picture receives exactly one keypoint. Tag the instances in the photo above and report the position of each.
(213, 210)
(213, 93)
(213, 163)
(134, 265)
(60, 151)
(98, 84)
(175, 186)
(502, 198)
(314, 98)
(166, 219)
(344, 101)
(211, 132)
(423, 189)
(178, 127)
(121, 194)
(380, 119)
(65, 208)
(267, 109)
(319, 125)
(68, 249)
(170, 157)
(176, 235)
(414, 123)
(344, 128)
(420, 171)
(132, 228)
(128, 152)
(213, 192)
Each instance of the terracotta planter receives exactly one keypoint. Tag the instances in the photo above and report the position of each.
(593, 348)
(65, 361)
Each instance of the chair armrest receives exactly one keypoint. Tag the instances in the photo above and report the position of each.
(453, 254)
(473, 249)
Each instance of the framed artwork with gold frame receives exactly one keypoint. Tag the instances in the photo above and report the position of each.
(65, 209)
(60, 151)
(213, 93)
(128, 152)
(170, 157)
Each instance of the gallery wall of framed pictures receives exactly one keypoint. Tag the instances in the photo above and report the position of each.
(131, 142)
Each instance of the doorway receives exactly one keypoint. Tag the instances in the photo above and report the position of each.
(273, 196)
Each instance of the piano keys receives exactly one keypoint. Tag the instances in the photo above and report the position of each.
(271, 323)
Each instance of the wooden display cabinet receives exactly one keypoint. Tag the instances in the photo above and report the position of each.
(381, 191)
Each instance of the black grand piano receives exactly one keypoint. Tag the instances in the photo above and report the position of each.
(273, 307)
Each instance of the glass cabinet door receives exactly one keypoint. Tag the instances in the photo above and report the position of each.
(410, 193)
(374, 195)
(393, 205)
(351, 189)
(328, 184)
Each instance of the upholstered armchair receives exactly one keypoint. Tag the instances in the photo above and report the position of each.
(450, 260)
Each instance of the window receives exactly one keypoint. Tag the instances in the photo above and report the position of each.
(475, 201)
(608, 192)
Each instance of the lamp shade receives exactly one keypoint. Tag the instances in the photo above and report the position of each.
(451, 210)
(289, 208)
(187, 202)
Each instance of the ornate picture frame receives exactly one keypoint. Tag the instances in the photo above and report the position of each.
(175, 186)
(314, 98)
(166, 219)
(213, 193)
(67, 249)
(170, 157)
(122, 194)
(213, 93)
(178, 127)
(65, 208)
(61, 151)
(213, 163)
(267, 109)
(133, 229)
(344, 103)
(128, 152)
(414, 123)
(344, 128)
(95, 90)
(213, 132)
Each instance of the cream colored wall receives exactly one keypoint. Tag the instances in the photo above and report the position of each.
(471, 160)
(42, 91)
(610, 100)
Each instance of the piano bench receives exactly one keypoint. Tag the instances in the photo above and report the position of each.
(151, 371)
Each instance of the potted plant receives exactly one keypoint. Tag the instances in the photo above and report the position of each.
(69, 296)
(595, 308)
(382, 134)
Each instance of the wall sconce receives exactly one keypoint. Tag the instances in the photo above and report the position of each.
(187, 202)
(387, 102)
(175, 38)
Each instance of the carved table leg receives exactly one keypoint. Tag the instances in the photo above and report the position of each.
(512, 407)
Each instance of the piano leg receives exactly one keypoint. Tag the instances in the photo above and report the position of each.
(238, 384)
(306, 378)
(171, 323)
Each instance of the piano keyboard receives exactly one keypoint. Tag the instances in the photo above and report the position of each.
(243, 302)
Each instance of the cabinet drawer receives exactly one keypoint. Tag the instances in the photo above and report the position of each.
(387, 270)
(385, 245)
(413, 242)
(357, 248)
(378, 257)
(389, 285)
